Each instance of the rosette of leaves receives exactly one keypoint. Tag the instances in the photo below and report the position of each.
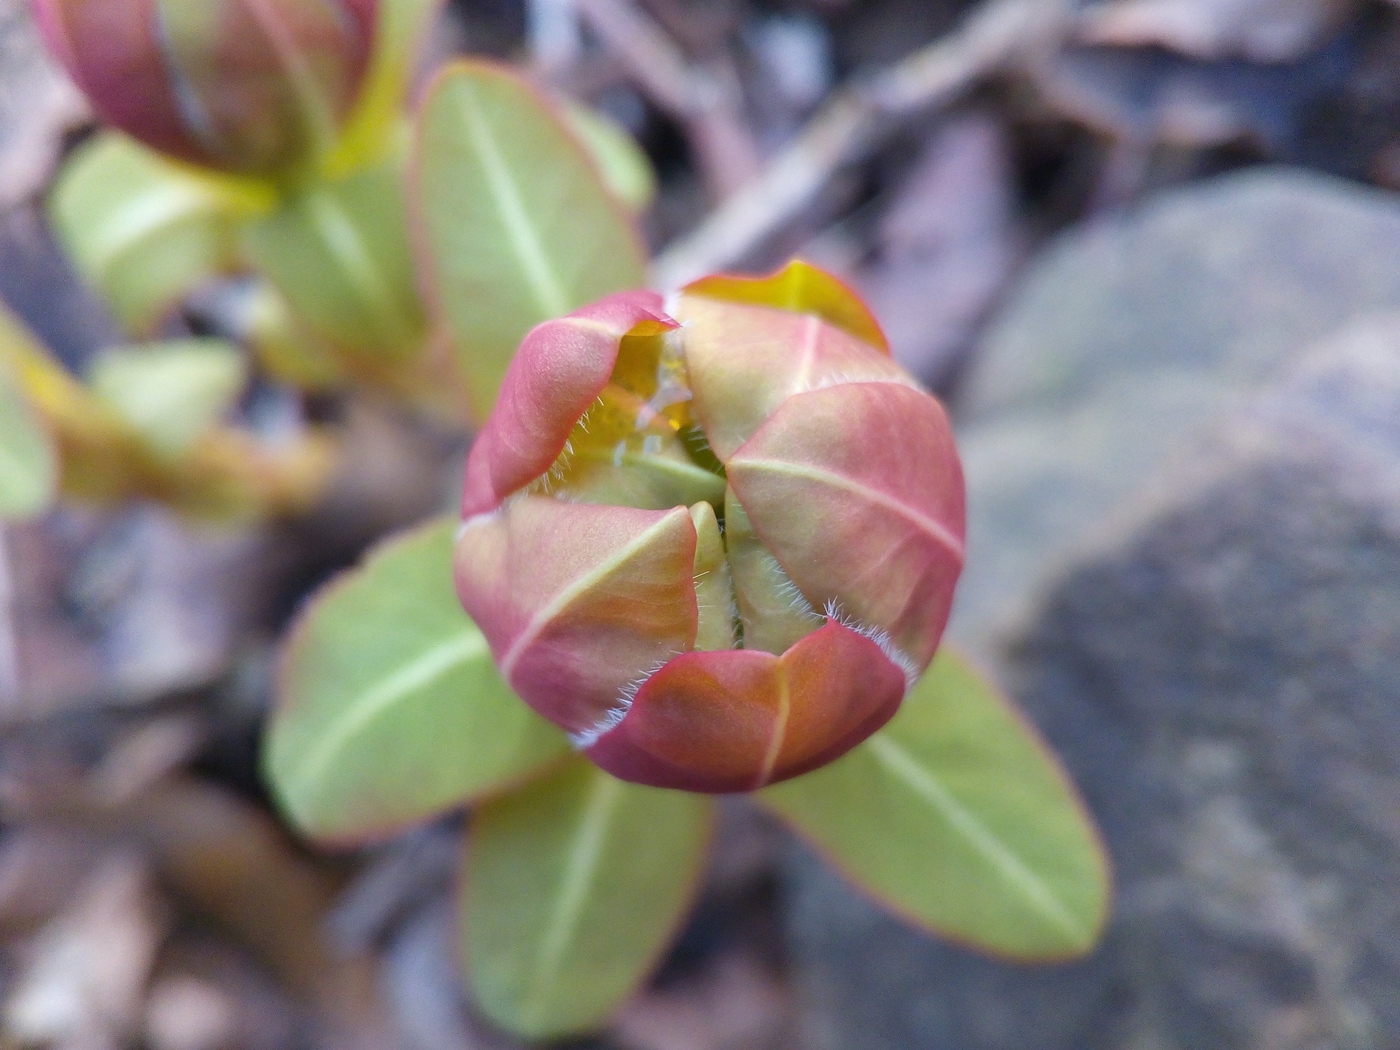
(949, 809)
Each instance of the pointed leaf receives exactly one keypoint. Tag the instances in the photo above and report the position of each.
(744, 361)
(801, 288)
(515, 223)
(389, 708)
(145, 231)
(172, 393)
(339, 253)
(958, 819)
(28, 460)
(573, 889)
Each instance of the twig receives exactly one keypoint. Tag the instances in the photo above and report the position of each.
(554, 33)
(854, 121)
(9, 648)
(704, 100)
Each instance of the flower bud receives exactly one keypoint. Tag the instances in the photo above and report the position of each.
(714, 539)
(245, 86)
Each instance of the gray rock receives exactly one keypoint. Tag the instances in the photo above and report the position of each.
(1224, 679)
(1130, 335)
(1195, 520)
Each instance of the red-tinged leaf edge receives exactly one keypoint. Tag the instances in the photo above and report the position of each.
(427, 280)
(906, 916)
(291, 640)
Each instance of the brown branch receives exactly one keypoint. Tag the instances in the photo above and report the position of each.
(854, 121)
(705, 101)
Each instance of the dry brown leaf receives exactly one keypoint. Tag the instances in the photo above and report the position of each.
(734, 1005)
(185, 1013)
(1259, 30)
(232, 863)
(85, 973)
(947, 245)
(40, 871)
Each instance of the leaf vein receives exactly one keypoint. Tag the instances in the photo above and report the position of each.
(982, 839)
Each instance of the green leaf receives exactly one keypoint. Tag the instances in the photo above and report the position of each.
(28, 460)
(957, 817)
(339, 253)
(515, 221)
(573, 888)
(389, 707)
(624, 166)
(369, 132)
(171, 393)
(145, 231)
(285, 347)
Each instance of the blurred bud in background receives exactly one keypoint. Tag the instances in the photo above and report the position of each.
(253, 87)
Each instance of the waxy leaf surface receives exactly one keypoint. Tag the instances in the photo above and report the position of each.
(144, 231)
(390, 709)
(573, 888)
(744, 361)
(873, 524)
(28, 462)
(515, 223)
(573, 623)
(739, 719)
(560, 370)
(340, 255)
(801, 288)
(957, 818)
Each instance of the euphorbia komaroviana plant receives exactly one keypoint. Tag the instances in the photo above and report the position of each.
(716, 539)
(712, 538)
(249, 86)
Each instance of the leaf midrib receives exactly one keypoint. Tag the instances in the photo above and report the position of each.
(545, 285)
(570, 593)
(379, 698)
(983, 840)
(821, 476)
(580, 874)
(356, 262)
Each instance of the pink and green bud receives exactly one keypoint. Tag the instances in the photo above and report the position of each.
(713, 538)
(245, 86)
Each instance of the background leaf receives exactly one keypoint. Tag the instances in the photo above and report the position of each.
(173, 392)
(145, 231)
(956, 816)
(390, 709)
(516, 223)
(28, 460)
(339, 253)
(623, 164)
(573, 889)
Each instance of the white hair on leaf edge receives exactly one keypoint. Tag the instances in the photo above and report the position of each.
(880, 637)
(586, 738)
